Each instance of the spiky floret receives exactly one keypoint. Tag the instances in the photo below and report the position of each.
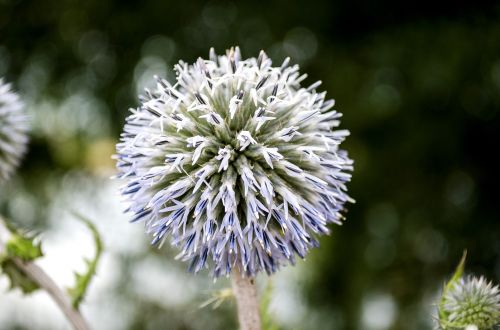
(471, 303)
(13, 130)
(237, 162)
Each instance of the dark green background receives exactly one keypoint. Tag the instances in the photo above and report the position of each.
(418, 84)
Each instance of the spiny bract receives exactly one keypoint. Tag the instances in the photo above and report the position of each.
(471, 302)
(13, 131)
(237, 162)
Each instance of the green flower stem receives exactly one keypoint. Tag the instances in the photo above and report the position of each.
(245, 292)
(39, 276)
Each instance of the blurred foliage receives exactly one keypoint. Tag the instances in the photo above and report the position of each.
(419, 86)
(267, 318)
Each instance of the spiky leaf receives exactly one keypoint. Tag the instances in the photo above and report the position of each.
(457, 275)
(22, 247)
(17, 277)
(82, 280)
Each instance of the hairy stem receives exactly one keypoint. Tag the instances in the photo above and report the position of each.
(245, 293)
(38, 275)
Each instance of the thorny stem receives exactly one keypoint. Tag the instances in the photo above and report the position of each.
(38, 275)
(245, 293)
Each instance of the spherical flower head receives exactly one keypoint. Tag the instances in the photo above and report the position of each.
(236, 162)
(13, 131)
(470, 303)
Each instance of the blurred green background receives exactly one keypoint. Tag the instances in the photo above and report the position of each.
(418, 84)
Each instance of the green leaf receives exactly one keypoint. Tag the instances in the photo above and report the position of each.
(459, 271)
(82, 281)
(21, 247)
(17, 277)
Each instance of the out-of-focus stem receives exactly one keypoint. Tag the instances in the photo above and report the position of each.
(245, 293)
(38, 275)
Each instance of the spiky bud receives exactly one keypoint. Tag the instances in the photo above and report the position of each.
(236, 162)
(13, 131)
(470, 303)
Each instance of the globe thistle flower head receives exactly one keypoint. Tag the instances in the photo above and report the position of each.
(470, 303)
(236, 162)
(13, 131)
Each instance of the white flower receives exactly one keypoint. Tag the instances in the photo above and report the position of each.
(13, 131)
(237, 162)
